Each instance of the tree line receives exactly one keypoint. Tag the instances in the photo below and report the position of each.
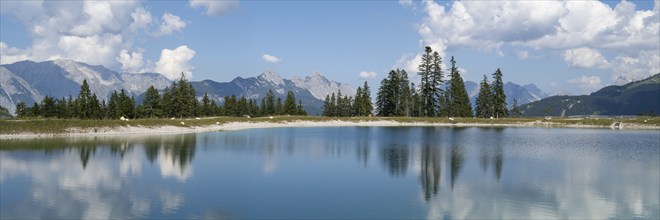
(433, 97)
(347, 106)
(176, 100)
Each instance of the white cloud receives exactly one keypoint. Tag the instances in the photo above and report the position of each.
(94, 32)
(522, 54)
(270, 58)
(406, 2)
(367, 74)
(173, 62)
(545, 26)
(132, 62)
(11, 54)
(171, 23)
(630, 68)
(587, 83)
(586, 58)
(215, 7)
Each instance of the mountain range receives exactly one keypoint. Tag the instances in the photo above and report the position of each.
(29, 82)
(640, 97)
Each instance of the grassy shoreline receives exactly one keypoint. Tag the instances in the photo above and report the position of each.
(63, 126)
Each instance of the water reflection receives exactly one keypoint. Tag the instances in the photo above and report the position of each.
(89, 178)
(353, 172)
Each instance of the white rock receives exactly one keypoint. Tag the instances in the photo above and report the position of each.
(182, 123)
(197, 118)
(270, 117)
(172, 118)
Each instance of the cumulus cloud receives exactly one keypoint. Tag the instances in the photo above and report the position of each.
(132, 62)
(545, 26)
(174, 62)
(270, 58)
(585, 58)
(215, 7)
(94, 32)
(367, 74)
(11, 54)
(630, 68)
(171, 23)
(587, 83)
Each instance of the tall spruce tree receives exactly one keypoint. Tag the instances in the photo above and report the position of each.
(151, 103)
(83, 102)
(436, 81)
(367, 106)
(427, 91)
(270, 103)
(499, 98)
(290, 104)
(459, 103)
(484, 108)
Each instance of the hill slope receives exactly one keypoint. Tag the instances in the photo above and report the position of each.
(641, 97)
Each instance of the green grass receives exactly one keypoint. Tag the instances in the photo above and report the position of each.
(55, 126)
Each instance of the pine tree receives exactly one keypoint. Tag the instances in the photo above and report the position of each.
(48, 107)
(279, 107)
(436, 81)
(326, 106)
(484, 107)
(22, 110)
(300, 109)
(151, 103)
(499, 98)
(206, 105)
(83, 101)
(430, 71)
(242, 107)
(459, 103)
(358, 104)
(366, 100)
(290, 104)
(270, 103)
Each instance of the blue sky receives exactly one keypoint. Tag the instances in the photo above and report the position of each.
(561, 46)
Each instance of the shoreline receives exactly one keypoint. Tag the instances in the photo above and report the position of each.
(233, 126)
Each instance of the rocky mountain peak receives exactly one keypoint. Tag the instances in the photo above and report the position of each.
(272, 77)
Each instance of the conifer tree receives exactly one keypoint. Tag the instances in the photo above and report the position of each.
(270, 103)
(290, 104)
(499, 98)
(48, 107)
(436, 80)
(83, 101)
(484, 107)
(366, 100)
(459, 103)
(151, 103)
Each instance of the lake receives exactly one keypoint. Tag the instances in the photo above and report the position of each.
(337, 172)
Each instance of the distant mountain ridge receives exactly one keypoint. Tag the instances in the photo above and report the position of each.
(640, 97)
(30, 82)
(524, 94)
(310, 90)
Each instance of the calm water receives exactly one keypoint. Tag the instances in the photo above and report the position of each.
(346, 172)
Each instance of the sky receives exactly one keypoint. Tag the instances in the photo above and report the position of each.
(573, 47)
